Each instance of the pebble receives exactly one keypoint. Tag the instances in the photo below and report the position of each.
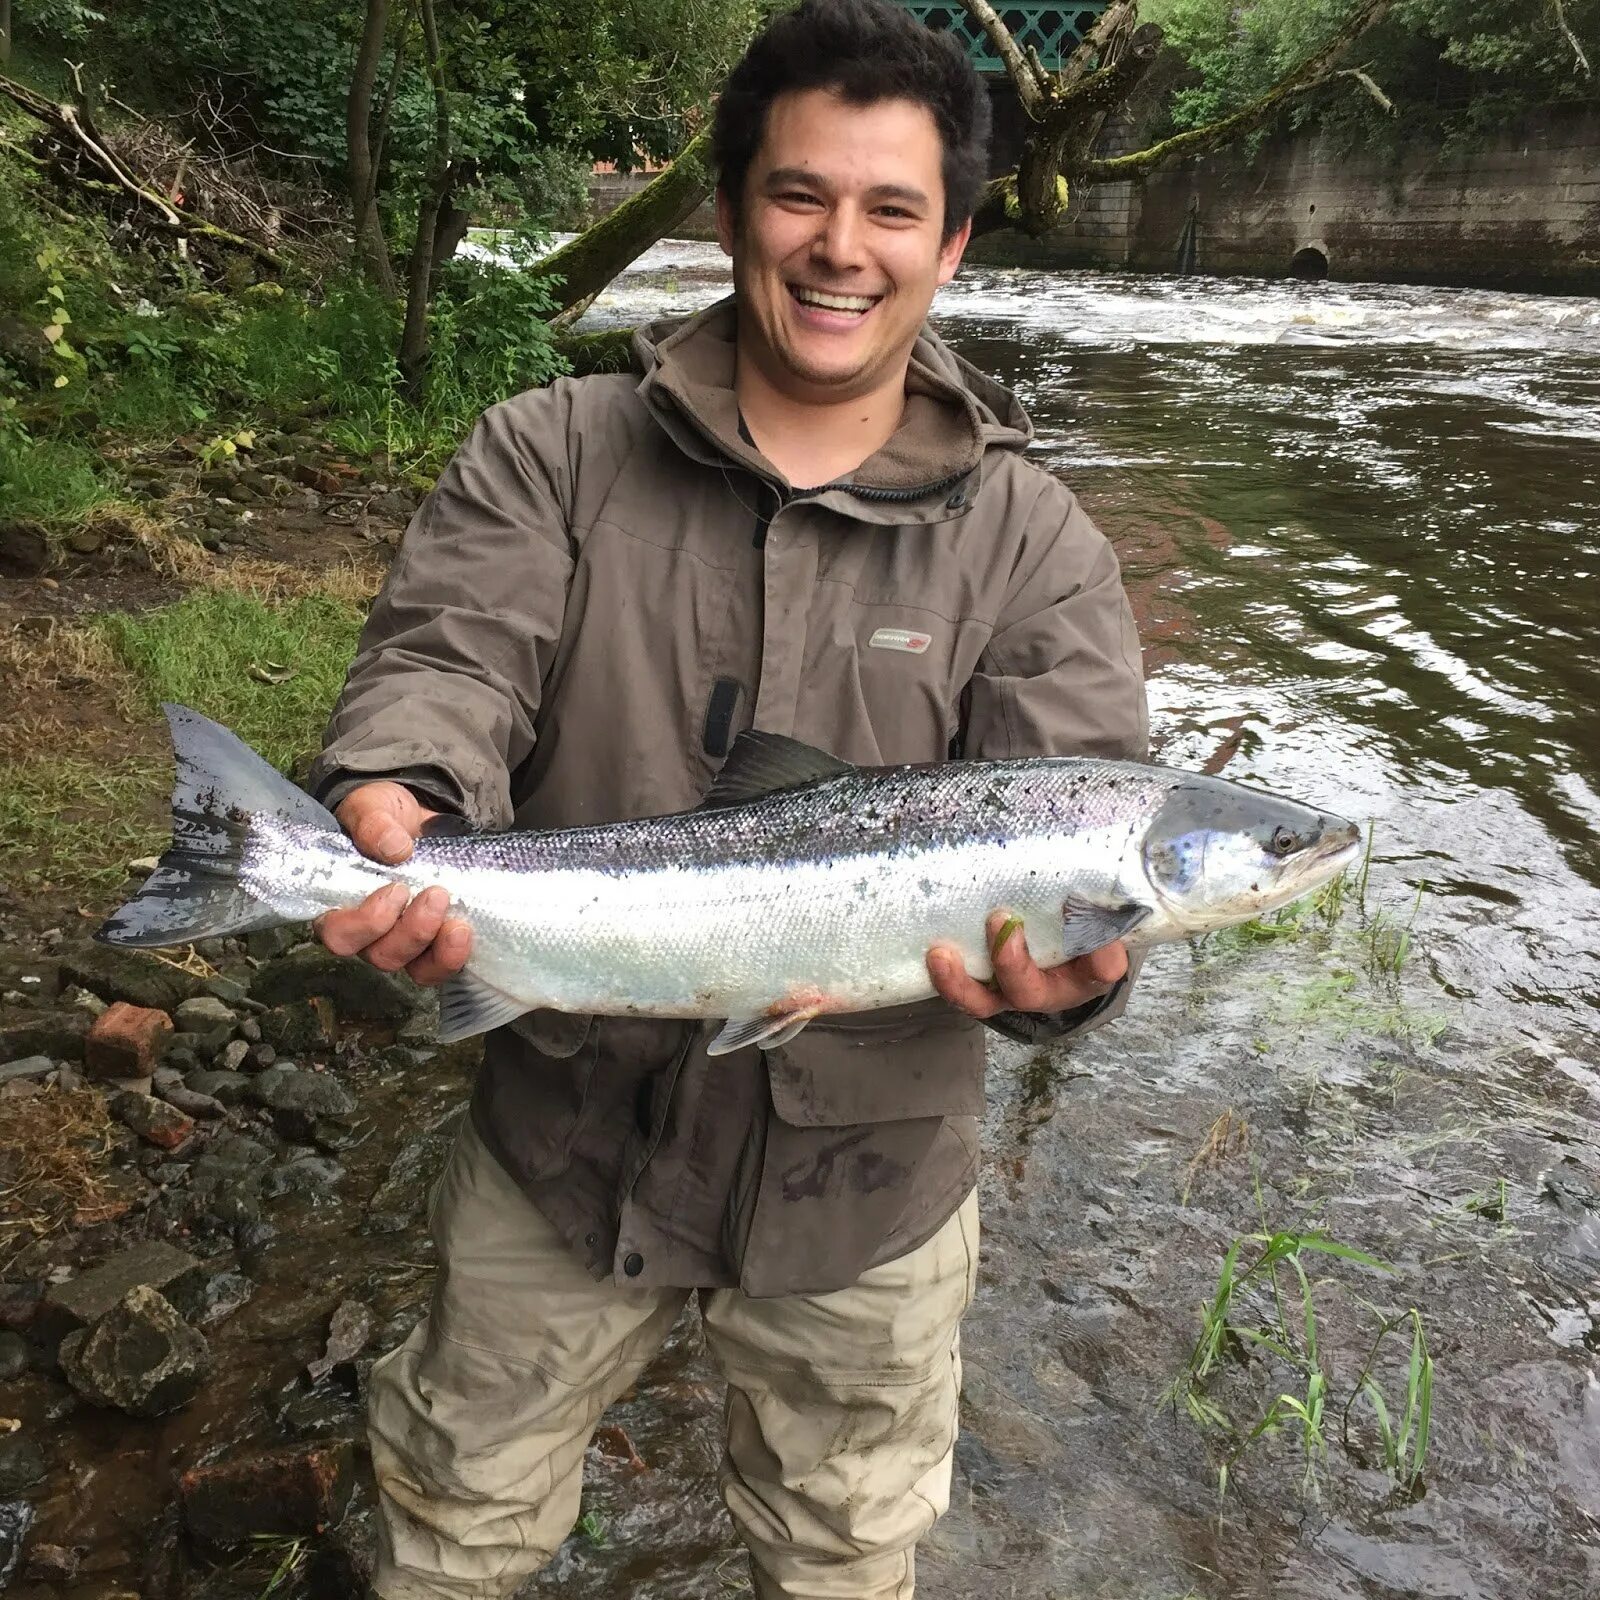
(20, 1463)
(13, 1356)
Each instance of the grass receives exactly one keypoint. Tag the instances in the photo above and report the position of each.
(269, 672)
(75, 824)
(57, 483)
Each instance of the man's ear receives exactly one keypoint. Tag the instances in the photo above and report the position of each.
(950, 251)
(727, 225)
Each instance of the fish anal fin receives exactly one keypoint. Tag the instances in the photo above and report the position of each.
(1087, 924)
(768, 1031)
(468, 1005)
(768, 763)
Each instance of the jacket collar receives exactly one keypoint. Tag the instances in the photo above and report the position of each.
(953, 414)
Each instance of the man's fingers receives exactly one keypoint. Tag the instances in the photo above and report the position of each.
(412, 934)
(1107, 965)
(446, 956)
(1016, 973)
(951, 978)
(380, 836)
(347, 933)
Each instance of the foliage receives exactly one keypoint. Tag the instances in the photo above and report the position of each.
(1454, 68)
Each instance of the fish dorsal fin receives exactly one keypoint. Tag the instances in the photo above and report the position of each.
(768, 763)
(468, 1005)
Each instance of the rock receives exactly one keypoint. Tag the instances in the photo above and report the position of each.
(310, 1174)
(349, 1329)
(28, 1067)
(141, 1357)
(167, 1174)
(234, 1055)
(613, 1442)
(356, 990)
(224, 1087)
(261, 1057)
(224, 1293)
(155, 1120)
(85, 541)
(250, 1031)
(231, 993)
(118, 974)
(192, 1103)
(13, 1356)
(208, 1019)
(59, 1035)
(24, 550)
(21, 1465)
(16, 1517)
(87, 1298)
(69, 1078)
(52, 1563)
(299, 1028)
(19, 1303)
(294, 1492)
(127, 1041)
(404, 1191)
(181, 1059)
(265, 944)
(298, 1099)
(323, 1413)
(231, 1158)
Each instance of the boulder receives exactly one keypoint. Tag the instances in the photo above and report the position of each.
(117, 974)
(141, 1357)
(298, 1100)
(226, 1088)
(356, 990)
(294, 1492)
(85, 1299)
(126, 1041)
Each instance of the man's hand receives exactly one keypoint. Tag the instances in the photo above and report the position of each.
(1020, 984)
(384, 821)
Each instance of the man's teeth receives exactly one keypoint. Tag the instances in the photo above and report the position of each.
(834, 302)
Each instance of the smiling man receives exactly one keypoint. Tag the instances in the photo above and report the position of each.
(801, 513)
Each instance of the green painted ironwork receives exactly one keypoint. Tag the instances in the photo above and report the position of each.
(1054, 30)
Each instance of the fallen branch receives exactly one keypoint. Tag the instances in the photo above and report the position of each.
(74, 128)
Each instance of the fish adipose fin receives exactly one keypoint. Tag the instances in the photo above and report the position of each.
(767, 763)
(195, 893)
(468, 1005)
(767, 1031)
(1086, 926)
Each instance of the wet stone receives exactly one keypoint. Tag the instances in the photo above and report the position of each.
(16, 1518)
(231, 993)
(356, 990)
(225, 1087)
(13, 1356)
(250, 1031)
(127, 975)
(266, 944)
(404, 1191)
(21, 1465)
(261, 1057)
(19, 1303)
(311, 1175)
(294, 1492)
(141, 1357)
(59, 1035)
(90, 1296)
(224, 1293)
(207, 1017)
(52, 1563)
(234, 1056)
(29, 1068)
(322, 1413)
(299, 1027)
(161, 1124)
(298, 1099)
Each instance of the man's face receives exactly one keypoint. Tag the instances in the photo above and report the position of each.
(837, 254)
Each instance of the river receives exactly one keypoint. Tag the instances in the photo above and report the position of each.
(1361, 528)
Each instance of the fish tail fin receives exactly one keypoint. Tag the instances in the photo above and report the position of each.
(221, 787)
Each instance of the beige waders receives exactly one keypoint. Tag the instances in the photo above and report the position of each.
(841, 1411)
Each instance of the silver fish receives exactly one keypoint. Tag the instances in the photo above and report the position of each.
(801, 886)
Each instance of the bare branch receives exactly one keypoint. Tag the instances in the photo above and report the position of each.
(1101, 44)
(1031, 88)
(1360, 75)
(1572, 39)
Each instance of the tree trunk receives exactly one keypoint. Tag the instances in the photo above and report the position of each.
(371, 247)
(5, 33)
(436, 192)
(589, 262)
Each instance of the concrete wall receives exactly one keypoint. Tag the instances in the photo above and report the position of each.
(1521, 213)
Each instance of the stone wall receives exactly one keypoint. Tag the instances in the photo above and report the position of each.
(1521, 213)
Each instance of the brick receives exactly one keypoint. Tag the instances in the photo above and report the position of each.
(292, 1492)
(126, 1041)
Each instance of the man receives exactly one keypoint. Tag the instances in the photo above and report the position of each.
(804, 514)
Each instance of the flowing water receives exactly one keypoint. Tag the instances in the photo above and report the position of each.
(1361, 528)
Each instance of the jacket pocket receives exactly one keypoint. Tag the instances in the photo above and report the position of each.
(893, 1065)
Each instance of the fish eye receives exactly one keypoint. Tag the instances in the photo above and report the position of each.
(1283, 841)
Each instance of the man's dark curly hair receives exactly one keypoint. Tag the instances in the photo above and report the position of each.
(865, 51)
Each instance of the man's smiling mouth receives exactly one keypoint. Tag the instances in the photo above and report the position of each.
(823, 301)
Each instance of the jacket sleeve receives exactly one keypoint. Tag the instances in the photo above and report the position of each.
(1061, 675)
(444, 689)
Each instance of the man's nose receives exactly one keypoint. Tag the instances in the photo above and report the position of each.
(840, 240)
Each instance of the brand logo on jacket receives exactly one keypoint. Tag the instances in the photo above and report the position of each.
(900, 639)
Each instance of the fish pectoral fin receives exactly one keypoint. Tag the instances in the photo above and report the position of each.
(1087, 925)
(767, 1030)
(468, 1005)
(768, 763)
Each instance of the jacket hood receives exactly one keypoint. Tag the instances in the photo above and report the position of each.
(954, 413)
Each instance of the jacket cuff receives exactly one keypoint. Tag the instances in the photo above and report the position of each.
(1033, 1027)
(433, 786)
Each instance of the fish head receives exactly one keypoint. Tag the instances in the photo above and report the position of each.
(1217, 853)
